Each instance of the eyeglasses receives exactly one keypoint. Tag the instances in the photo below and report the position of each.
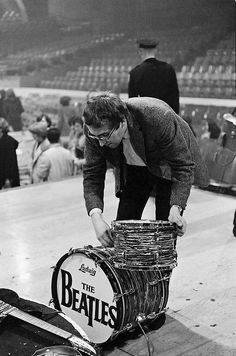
(103, 137)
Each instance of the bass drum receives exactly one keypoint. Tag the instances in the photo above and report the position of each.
(104, 300)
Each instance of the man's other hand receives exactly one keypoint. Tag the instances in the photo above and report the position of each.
(176, 218)
(102, 230)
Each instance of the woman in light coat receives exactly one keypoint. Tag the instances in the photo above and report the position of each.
(39, 132)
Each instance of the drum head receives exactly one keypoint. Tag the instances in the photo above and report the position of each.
(81, 289)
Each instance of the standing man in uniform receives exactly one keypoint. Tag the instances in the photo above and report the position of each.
(154, 78)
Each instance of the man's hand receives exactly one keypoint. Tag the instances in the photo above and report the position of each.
(102, 230)
(175, 217)
(7, 184)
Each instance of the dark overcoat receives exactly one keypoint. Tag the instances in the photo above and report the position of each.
(156, 79)
(165, 143)
(13, 109)
(8, 161)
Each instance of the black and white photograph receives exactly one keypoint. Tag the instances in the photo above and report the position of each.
(117, 178)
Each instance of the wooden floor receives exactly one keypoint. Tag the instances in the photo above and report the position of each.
(40, 223)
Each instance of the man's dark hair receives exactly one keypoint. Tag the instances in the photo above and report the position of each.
(65, 100)
(105, 108)
(53, 135)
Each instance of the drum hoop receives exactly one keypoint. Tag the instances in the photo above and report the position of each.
(144, 222)
(54, 280)
(132, 267)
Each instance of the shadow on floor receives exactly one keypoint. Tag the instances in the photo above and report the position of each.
(167, 337)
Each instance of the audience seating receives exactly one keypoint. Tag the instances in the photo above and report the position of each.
(212, 75)
(108, 59)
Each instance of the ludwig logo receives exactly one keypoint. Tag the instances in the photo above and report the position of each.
(87, 269)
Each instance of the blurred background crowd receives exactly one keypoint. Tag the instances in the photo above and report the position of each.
(55, 54)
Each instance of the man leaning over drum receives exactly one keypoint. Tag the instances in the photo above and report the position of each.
(151, 148)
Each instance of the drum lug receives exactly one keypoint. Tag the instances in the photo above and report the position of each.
(141, 317)
(154, 282)
(118, 296)
(166, 278)
(71, 251)
(98, 262)
(129, 327)
(154, 315)
(51, 302)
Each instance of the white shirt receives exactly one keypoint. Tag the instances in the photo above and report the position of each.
(130, 155)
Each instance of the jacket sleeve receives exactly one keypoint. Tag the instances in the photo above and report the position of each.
(43, 168)
(131, 89)
(173, 90)
(174, 148)
(94, 172)
(20, 106)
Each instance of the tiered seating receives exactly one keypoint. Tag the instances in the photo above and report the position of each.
(109, 70)
(107, 75)
(20, 35)
(10, 18)
(110, 73)
(212, 75)
(35, 58)
(41, 56)
(110, 57)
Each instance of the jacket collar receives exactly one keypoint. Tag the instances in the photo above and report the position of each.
(150, 59)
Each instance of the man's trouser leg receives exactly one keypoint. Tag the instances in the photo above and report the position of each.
(162, 198)
(139, 184)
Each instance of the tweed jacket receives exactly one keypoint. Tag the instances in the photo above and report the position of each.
(165, 143)
(156, 79)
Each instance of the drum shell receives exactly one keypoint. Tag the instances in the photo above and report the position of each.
(144, 244)
(136, 293)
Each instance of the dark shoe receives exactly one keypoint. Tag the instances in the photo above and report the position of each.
(234, 230)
